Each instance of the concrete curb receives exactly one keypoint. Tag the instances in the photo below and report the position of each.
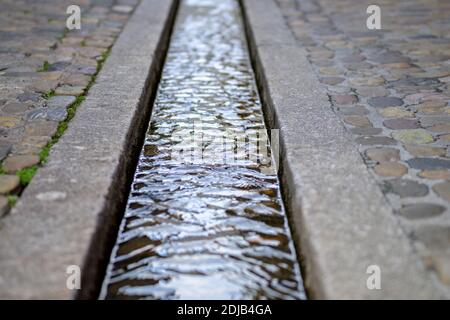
(342, 223)
(69, 214)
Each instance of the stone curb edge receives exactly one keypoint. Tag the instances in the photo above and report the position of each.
(70, 212)
(341, 222)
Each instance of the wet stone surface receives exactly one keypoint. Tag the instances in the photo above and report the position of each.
(196, 228)
(401, 76)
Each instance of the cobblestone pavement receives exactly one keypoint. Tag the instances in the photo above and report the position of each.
(391, 88)
(45, 70)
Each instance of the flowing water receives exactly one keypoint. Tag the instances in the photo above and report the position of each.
(204, 218)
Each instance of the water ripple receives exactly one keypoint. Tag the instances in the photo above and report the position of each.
(196, 229)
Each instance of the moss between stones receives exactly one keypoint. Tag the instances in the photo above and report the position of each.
(62, 127)
(12, 200)
(27, 174)
(47, 95)
(45, 67)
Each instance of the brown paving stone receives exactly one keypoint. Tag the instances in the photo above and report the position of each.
(431, 109)
(8, 183)
(367, 81)
(443, 127)
(425, 151)
(383, 154)
(443, 190)
(397, 65)
(444, 138)
(439, 174)
(331, 71)
(9, 121)
(399, 123)
(15, 163)
(390, 169)
(344, 99)
(75, 80)
(357, 121)
(395, 112)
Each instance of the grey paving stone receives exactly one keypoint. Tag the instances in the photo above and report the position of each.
(332, 80)
(60, 101)
(15, 108)
(429, 163)
(416, 82)
(390, 57)
(421, 211)
(58, 66)
(52, 114)
(29, 96)
(5, 148)
(406, 188)
(372, 91)
(8, 183)
(383, 102)
(397, 124)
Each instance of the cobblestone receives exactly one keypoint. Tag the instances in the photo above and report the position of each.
(15, 163)
(383, 102)
(400, 75)
(421, 210)
(443, 190)
(390, 169)
(413, 136)
(4, 206)
(8, 183)
(43, 67)
(435, 174)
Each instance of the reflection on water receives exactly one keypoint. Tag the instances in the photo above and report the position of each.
(200, 230)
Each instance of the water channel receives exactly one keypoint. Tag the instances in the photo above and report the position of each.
(204, 218)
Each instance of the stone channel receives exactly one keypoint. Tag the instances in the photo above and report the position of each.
(204, 218)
